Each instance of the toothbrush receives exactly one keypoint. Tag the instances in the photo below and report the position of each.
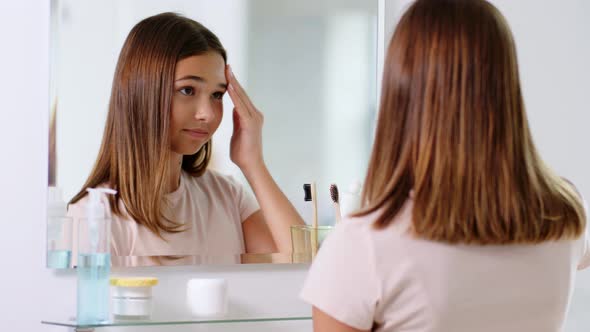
(311, 195)
(336, 202)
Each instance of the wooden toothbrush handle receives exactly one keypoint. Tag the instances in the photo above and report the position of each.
(337, 212)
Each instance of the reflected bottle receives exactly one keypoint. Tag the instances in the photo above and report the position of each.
(59, 231)
(94, 261)
(350, 201)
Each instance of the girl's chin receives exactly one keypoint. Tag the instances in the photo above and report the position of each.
(188, 149)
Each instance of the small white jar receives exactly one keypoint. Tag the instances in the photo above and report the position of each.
(132, 297)
(207, 297)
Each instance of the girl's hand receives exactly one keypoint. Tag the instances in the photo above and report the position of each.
(246, 141)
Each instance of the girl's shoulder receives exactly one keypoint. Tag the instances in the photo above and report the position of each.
(214, 182)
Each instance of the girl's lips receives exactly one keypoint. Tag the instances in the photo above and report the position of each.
(196, 133)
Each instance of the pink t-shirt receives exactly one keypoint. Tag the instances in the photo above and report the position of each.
(386, 280)
(211, 207)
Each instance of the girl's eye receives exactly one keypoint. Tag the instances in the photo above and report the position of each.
(218, 95)
(187, 91)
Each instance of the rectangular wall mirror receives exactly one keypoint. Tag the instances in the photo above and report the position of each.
(309, 66)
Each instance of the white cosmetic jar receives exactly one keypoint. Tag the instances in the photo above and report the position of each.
(131, 298)
(207, 297)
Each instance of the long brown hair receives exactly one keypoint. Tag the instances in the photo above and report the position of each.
(135, 149)
(452, 128)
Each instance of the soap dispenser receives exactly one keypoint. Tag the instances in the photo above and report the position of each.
(94, 261)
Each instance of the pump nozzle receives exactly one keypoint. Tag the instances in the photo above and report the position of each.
(95, 194)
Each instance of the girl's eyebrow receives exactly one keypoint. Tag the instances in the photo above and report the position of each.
(199, 79)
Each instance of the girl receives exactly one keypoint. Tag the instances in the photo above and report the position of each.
(166, 104)
(463, 228)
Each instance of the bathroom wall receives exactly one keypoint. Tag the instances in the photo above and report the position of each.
(553, 46)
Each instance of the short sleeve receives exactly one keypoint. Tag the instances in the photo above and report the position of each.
(245, 200)
(342, 281)
(585, 260)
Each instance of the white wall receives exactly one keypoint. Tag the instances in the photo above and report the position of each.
(24, 95)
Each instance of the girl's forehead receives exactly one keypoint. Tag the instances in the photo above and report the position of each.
(208, 68)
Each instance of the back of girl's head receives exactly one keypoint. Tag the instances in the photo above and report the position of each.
(135, 150)
(452, 127)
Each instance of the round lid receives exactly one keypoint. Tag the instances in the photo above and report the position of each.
(134, 282)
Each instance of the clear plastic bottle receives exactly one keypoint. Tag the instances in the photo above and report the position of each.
(94, 261)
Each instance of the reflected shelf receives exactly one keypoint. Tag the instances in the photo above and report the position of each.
(273, 258)
(155, 321)
(179, 260)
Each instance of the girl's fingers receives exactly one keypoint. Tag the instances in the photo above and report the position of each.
(240, 91)
(234, 95)
(236, 120)
(239, 105)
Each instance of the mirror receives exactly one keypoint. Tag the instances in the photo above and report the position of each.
(309, 66)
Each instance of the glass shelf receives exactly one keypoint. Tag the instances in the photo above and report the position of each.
(155, 321)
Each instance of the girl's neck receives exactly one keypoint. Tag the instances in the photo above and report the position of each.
(175, 168)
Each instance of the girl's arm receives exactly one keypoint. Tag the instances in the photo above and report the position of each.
(277, 212)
